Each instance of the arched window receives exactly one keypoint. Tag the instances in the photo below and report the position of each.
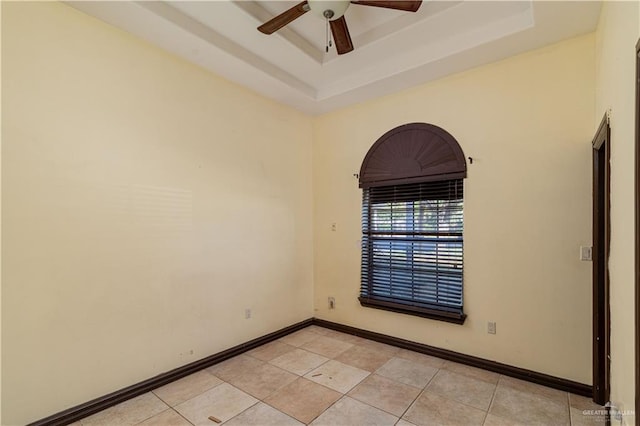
(412, 223)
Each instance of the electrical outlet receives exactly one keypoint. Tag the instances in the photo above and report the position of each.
(586, 253)
(247, 313)
(491, 327)
(332, 302)
(334, 226)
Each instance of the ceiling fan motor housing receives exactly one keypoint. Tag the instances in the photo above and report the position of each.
(329, 9)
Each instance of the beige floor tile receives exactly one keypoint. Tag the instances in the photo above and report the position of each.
(234, 367)
(586, 417)
(528, 408)
(299, 337)
(345, 337)
(431, 409)
(363, 357)
(262, 414)
(303, 399)
(493, 420)
(186, 388)
(583, 403)
(528, 387)
(380, 347)
(402, 422)
(407, 372)
(455, 394)
(270, 351)
(336, 375)
(476, 373)
(320, 330)
(327, 346)
(299, 361)
(129, 412)
(386, 394)
(348, 411)
(425, 359)
(464, 389)
(262, 381)
(223, 402)
(166, 418)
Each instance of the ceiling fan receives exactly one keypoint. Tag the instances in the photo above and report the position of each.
(333, 11)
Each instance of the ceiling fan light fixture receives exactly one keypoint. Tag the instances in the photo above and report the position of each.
(323, 8)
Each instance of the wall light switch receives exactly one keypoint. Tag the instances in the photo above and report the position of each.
(586, 253)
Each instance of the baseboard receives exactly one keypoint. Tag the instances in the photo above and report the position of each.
(507, 370)
(83, 410)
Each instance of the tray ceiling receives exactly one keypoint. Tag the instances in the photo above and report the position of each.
(394, 50)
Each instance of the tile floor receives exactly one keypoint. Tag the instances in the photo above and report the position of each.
(321, 377)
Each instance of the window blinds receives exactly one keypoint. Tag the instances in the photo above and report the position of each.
(412, 246)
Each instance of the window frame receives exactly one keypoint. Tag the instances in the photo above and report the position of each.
(415, 153)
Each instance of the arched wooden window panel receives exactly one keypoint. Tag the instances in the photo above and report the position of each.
(416, 152)
(412, 223)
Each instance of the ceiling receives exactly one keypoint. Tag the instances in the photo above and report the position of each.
(394, 50)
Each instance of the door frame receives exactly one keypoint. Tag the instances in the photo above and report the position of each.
(600, 272)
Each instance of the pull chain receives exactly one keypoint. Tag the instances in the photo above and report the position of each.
(328, 14)
(328, 37)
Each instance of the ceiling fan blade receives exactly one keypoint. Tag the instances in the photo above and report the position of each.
(284, 18)
(408, 6)
(341, 36)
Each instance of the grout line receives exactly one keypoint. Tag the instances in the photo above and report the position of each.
(456, 401)
(158, 396)
(419, 395)
(369, 404)
(178, 413)
(411, 404)
(346, 394)
(493, 395)
(147, 418)
(246, 409)
(325, 410)
(431, 379)
(569, 408)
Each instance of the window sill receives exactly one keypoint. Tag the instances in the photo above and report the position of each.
(447, 316)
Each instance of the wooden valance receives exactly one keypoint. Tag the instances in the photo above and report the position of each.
(411, 153)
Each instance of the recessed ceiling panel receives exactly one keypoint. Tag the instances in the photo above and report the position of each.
(394, 50)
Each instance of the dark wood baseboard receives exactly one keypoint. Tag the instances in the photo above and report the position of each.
(507, 370)
(83, 410)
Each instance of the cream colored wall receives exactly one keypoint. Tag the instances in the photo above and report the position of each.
(527, 122)
(146, 204)
(0, 227)
(125, 169)
(618, 32)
